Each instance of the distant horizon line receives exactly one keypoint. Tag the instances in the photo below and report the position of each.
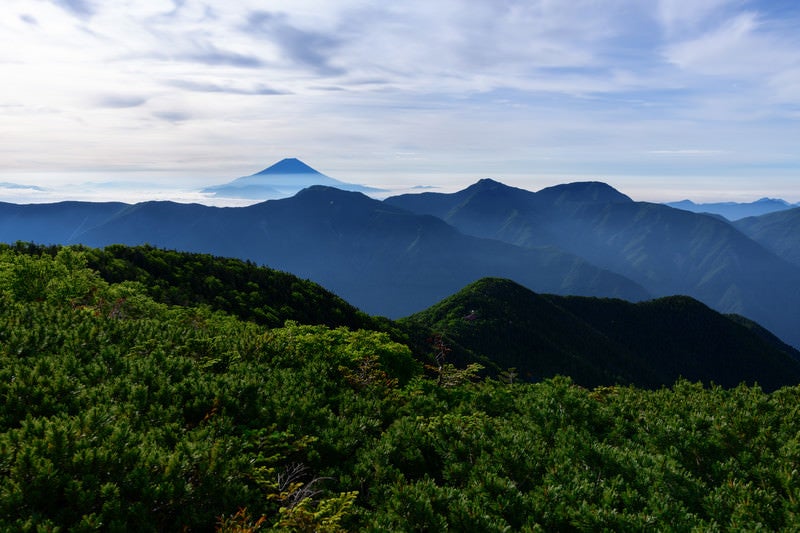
(185, 186)
(105, 192)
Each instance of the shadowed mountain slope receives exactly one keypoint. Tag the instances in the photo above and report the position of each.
(55, 223)
(605, 341)
(778, 232)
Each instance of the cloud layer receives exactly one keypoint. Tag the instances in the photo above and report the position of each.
(627, 91)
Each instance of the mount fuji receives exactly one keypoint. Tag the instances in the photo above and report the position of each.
(285, 178)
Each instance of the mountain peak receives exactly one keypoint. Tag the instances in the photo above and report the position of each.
(585, 191)
(777, 201)
(283, 179)
(328, 192)
(488, 184)
(289, 165)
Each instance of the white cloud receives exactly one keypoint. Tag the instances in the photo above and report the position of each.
(785, 88)
(758, 59)
(475, 46)
(684, 16)
(735, 49)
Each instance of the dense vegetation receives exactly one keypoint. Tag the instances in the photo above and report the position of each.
(120, 412)
(241, 288)
(601, 341)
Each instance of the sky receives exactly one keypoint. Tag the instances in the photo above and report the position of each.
(154, 99)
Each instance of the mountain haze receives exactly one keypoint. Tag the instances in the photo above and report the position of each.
(735, 210)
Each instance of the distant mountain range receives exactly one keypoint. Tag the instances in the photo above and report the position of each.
(406, 253)
(285, 178)
(8, 185)
(735, 210)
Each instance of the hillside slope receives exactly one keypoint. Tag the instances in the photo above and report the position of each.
(250, 292)
(58, 223)
(605, 341)
(777, 232)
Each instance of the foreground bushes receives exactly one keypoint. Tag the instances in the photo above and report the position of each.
(119, 413)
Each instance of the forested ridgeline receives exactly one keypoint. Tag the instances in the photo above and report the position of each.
(242, 288)
(603, 341)
(120, 412)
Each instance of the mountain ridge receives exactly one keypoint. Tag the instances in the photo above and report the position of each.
(666, 250)
(734, 211)
(605, 341)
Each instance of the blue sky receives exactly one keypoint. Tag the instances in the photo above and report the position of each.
(664, 99)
